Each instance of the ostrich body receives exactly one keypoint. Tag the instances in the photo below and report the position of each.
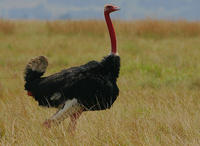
(88, 87)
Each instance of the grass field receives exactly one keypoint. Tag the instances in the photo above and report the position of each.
(159, 102)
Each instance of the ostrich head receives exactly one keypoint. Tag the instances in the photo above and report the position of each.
(109, 8)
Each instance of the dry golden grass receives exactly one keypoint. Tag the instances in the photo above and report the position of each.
(167, 28)
(92, 26)
(146, 27)
(7, 27)
(159, 84)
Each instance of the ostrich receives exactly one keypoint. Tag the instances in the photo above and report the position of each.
(89, 87)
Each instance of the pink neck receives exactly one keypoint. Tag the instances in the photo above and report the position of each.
(111, 32)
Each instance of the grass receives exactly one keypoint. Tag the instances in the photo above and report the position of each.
(7, 27)
(146, 28)
(159, 82)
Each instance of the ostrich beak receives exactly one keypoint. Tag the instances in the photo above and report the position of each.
(116, 8)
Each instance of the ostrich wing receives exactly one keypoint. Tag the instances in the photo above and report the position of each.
(81, 82)
(66, 78)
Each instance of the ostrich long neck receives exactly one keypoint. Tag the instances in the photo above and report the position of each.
(111, 32)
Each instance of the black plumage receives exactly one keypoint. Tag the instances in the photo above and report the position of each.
(92, 84)
(87, 87)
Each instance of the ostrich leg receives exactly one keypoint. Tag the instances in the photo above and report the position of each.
(74, 117)
(70, 108)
